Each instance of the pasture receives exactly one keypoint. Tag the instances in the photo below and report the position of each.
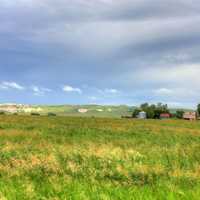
(98, 159)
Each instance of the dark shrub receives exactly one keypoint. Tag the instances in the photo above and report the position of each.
(51, 114)
(35, 114)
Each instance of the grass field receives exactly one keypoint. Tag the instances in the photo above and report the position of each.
(98, 159)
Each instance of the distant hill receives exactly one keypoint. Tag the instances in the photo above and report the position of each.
(74, 110)
(89, 110)
(69, 110)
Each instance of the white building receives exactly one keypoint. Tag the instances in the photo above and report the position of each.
(142, 115)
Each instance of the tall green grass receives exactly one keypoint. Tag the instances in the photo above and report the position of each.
(90, 158)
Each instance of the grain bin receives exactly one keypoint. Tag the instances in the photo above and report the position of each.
(142, 115)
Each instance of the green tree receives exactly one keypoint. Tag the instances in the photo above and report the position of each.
(151, 111)
(160, 108)
(179, 114)
(198, 109)
(144, 106)
(136, 112)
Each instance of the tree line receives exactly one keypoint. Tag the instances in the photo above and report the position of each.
(153, 111)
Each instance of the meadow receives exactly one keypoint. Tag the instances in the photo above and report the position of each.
(98, 159)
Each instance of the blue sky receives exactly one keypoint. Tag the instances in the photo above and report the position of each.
(100, 51)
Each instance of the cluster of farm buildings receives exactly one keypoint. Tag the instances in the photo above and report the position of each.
(186, 115)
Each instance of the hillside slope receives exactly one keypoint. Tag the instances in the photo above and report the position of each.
(88, 110)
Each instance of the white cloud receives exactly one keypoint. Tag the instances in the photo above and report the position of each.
(178, 93)
(3, 87)
(178, 97)
(46, 89)
(108, 92)
(68, 88)
(11, 85)
(35, 89)
(93, 98)
(40, 91)
(164, 92)
(111, 91)
(166, 76)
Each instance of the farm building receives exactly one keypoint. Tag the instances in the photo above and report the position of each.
(82, 110)
(190, 115)
(142, 115)
(165, 115)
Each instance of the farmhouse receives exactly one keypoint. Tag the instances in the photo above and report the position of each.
(190, 115)
(165, 116)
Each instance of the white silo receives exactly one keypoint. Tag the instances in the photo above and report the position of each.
(142, 115)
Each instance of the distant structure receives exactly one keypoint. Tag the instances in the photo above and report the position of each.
(82, 110)
(10, 108)
(190, 116)
(19, 108)
(165, 116)
(142, 115)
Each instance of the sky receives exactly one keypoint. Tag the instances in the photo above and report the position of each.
(100, 52)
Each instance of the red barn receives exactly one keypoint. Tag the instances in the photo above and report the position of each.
(165, 115)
